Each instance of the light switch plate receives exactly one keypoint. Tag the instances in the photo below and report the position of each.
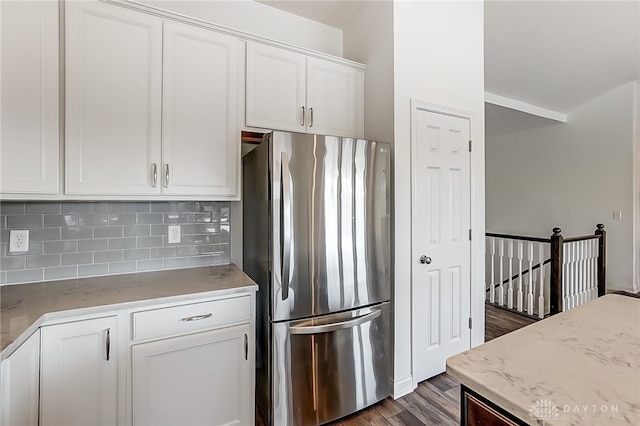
(617, 214)
(18, 240)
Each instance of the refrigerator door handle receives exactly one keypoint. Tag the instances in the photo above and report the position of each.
(285, 226)
(326, 328)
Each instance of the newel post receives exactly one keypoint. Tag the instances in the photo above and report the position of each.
(555, 291)
(602, 259)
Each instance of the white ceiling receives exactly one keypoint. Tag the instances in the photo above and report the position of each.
(552, 54)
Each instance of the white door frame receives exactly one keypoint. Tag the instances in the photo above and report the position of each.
(416, 105)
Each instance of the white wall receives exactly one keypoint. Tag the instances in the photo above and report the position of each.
(572, 175)
(439, 59)
(369, 40)
(259, 19)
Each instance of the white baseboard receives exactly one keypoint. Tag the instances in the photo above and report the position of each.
(402, 387)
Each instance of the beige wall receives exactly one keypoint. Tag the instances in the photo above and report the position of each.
(572, 175)
(439, 59)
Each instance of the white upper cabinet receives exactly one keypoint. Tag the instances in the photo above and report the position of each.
(113, 105)
(275, 88)
(152, 105)
(200, 132)
(29, 118)
(335, 99)
(290, 91)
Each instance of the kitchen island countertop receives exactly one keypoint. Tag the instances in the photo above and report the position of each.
(584, 362)
(24, 307)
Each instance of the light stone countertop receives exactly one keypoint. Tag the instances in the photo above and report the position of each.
(24, 307)
(585, 361)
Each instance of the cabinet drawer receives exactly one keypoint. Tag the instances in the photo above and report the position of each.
(192, 317)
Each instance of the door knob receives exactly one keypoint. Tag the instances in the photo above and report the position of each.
(425, 259)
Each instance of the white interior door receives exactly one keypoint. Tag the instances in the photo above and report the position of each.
(440, 224)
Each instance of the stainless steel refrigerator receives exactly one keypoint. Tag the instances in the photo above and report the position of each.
(316, 239)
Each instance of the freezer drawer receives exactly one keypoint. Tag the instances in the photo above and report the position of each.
(330, 366)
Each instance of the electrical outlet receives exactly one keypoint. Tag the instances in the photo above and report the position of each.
(18, 240)
(617, 214)
(174, 234)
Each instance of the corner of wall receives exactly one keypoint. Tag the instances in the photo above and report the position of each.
(636, 186)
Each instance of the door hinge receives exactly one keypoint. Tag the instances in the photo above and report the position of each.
(470, 323)
(469, 145)
(469, 234)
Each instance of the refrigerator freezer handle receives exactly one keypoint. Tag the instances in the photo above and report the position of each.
(326, 328)
(285, 226)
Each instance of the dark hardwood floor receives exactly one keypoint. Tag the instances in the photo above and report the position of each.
(436, 401)
(498, 322)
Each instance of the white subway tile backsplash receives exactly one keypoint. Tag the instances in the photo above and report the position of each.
(149, 218)
(90, 219)
(122, 219)
(122, 243)
(77, 208)
(178, 262)
(25, 275)
(77, 258)
(61, 220)
(150, 265)
(93, 270)
(107, 231)
(44, 234)
(93, 245)
(137, 231)
(107, 256)
(43, 261)
(144, 242)
(13, 262)
(60, 246)
(75, 233)
(60, 273)
(122, 267)
(69, 240)
(25, 221)
(135, 254)
(43, 208)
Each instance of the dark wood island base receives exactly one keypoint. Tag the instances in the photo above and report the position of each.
(476, 410)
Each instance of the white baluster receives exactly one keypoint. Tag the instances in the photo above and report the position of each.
(519, 278)
(582, 276)
(594, 269)
(572, 275)
(501, 274)
(510, 289)
(542, 284)
(565, 277)
(492, 287)
(530, 289)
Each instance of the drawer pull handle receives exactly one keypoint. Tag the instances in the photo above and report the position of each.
(108, 344)
(196, 317)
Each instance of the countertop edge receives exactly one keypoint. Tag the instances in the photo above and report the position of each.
(57, 316)
(505, 404)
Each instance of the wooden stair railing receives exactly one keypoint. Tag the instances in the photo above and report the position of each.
(576, 274)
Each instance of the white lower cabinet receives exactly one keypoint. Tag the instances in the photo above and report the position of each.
(79, 373)
(188, 363)
(21, 384)
(198, 379)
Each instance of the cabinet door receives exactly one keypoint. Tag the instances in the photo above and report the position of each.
(197, 379)
(20, 384)
(334, 99)
(79, 373)
(275, 88)
(113, 104)
(201, 146)
(29, 121)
